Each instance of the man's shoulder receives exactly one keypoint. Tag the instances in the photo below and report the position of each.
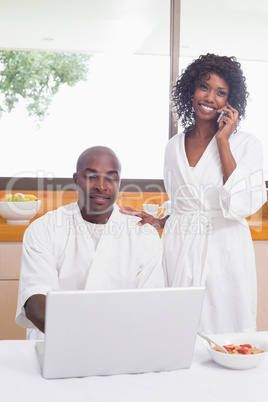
(130, 222)
(52, 217)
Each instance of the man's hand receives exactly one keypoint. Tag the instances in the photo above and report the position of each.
(35, 308)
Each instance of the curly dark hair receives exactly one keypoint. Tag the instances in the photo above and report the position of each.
(225, 67)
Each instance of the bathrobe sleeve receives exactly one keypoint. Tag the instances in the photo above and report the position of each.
(244, 192)
(38, 273)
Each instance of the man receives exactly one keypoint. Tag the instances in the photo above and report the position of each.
(86, 245)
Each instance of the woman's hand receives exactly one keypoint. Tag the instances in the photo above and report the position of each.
(223, 134)
(228, 123)
(145, 218)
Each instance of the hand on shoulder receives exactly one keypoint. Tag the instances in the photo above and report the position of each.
(145, 218)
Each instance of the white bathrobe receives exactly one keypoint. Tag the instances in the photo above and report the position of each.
(206, 240)
(58, 253)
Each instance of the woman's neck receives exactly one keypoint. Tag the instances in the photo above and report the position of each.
(203, 129)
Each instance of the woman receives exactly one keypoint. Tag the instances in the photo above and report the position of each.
(213, 177)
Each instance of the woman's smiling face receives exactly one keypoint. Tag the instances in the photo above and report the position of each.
(211, 94)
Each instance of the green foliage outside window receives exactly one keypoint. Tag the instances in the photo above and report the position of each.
(36, 76)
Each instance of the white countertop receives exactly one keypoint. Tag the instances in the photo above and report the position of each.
(21, 380)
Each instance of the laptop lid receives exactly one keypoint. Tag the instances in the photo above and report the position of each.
(120, 331)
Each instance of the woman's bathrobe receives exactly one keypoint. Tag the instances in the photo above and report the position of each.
(206, 240)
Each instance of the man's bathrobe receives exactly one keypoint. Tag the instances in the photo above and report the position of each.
(206, 240)
(59, 254)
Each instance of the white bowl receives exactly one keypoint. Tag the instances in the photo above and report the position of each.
(20, 212)
(239, 362)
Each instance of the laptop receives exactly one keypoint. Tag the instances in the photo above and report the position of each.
(93, 333)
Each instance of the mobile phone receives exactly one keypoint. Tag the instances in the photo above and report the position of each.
(223, 113)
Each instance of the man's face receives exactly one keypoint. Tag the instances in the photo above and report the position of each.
(97, 183)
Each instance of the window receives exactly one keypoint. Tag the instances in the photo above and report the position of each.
(124, 104)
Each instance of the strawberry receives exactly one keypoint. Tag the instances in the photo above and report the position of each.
(244, 351)
(229, 347)
(246, 345)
